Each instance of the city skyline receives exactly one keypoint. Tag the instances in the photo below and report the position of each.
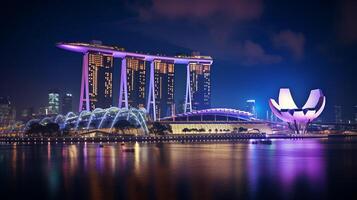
(178, 99)
(290, 52)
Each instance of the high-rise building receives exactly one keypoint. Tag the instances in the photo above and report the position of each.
(200, 80)
(136, 79)
(7, 112)
(100, 80)
(43, 111)
(164, 87)
(338, 114)
(355, 113)
(66, 105)
(53, 102)
(250, 107)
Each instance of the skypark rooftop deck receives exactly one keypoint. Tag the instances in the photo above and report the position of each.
(118, 52)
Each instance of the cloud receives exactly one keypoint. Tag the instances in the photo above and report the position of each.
(253, 54)
(206, 25)
(291, 41)
(203, 9)
(346, 24)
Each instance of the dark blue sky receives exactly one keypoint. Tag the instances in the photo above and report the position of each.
(258, 46)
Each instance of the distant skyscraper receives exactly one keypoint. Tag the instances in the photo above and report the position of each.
(43, 110)
(355, 113)
(273, 118)
(250, 107)
(66, 106)
(164, 87)
(136, 81)
(200, 80)
(100, 80)
(7, 112)
(53, 102)
(338, 114)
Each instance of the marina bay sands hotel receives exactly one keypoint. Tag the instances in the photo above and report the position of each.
(97, 79)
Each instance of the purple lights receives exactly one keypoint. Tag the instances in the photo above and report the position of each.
(116, 52)
(218, 111)
(120, 53)
(287, 110)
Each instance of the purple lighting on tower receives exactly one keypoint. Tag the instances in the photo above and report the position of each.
(117, 52)
(151, 96)
(188, 98)
(123, 86)
(84, 96)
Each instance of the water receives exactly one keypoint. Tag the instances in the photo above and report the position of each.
(287, 169)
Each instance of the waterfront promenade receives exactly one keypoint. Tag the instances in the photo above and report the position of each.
(162, 138)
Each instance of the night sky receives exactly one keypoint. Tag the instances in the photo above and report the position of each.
(257, 46)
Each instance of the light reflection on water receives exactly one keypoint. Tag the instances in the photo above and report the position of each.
(286, 169)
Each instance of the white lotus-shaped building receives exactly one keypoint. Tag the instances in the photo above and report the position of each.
(287, 110)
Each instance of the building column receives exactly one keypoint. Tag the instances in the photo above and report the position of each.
(151, 96)
(123, 92)
(188, 98)
(84, 95)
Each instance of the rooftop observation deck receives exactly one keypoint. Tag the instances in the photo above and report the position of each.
(118, 52)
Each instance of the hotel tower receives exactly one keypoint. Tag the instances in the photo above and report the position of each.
(100, 80)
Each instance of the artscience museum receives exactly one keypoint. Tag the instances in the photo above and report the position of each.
(298, 119)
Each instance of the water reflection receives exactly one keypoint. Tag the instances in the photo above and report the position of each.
(167, 171)
(285, 164)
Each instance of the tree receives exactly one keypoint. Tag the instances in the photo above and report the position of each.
(185, 130)
(201, 130)
(123, 125)
(48, 129)
(160, 129)
(242, 129)
(51, 128)
(35, 129)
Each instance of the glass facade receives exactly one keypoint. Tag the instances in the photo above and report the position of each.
(53, 102)
(164, 87)
(250, 107)
(136, 81)
(338, 113)
(200, 77)
(67, 103)
(100, 80)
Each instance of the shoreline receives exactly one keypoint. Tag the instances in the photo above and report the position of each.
(165, 138)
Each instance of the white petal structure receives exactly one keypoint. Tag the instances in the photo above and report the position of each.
(287, 110)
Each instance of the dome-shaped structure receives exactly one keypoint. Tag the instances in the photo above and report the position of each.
(287, 110)
(96, 119)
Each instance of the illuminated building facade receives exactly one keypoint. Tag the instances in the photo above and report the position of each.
(160, 94)
(298, 119)
(200, 81)
(338, 114)
(164, 75)
(53, 102)
(100, 80)
(66, 106)
(250, 107)
(216, 120)
(136, 81)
